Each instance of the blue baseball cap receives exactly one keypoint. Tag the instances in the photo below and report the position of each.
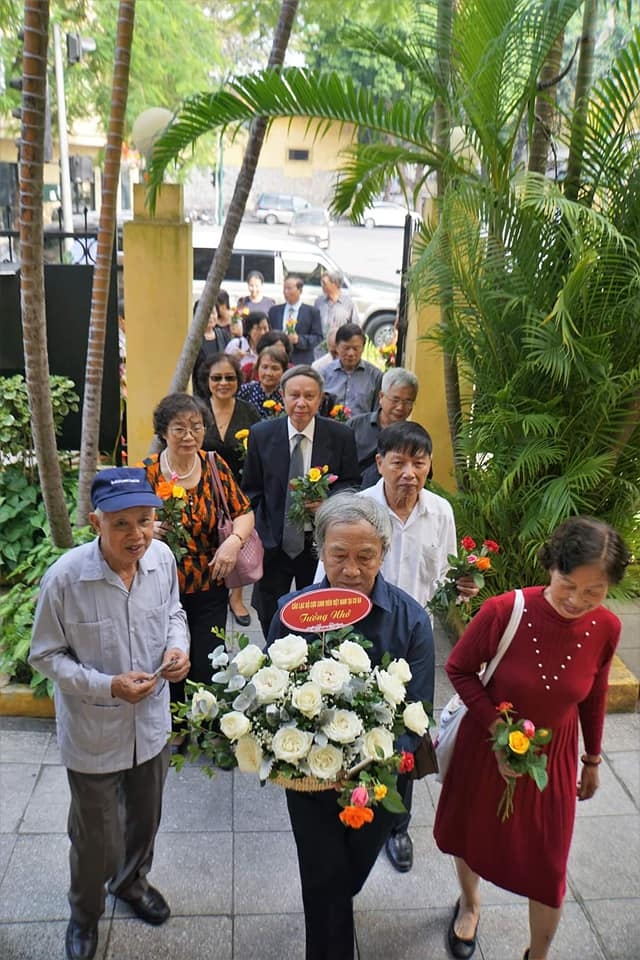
(118, 488)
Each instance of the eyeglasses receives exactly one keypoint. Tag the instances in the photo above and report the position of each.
(395, 402)
(195, 429)
(219, 377)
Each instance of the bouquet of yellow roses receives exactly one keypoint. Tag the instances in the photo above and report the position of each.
(174, 500)
(312, 487)
(519, 742)
(308, 714)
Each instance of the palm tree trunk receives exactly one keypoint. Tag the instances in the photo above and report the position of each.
(34, 324)
(545, 109)
(235, 213)
(442, 130)
(584, 79)
(92, 401)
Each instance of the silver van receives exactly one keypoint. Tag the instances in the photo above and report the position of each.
(272, 208)
(276, 256)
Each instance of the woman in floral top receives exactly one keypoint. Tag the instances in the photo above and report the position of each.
(179, 423)
(272, 363)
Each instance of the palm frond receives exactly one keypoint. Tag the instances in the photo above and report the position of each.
(287, 93)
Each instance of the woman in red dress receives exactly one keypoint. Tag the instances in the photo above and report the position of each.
(555, 673)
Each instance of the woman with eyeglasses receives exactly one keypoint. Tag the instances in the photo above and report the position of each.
(221, 378)
(179, 423)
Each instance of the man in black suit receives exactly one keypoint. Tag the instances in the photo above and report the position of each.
(314, 442)
(299, 321)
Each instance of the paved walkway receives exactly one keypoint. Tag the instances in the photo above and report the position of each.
(225, 859)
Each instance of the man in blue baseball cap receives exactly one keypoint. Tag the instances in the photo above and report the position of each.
(110, 632)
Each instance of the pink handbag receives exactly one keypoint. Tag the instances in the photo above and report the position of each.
(248, 568)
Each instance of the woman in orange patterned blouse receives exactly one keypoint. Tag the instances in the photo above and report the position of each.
(178, 421)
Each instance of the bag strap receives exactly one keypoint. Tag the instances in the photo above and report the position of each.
(218, 490)
(507, 636)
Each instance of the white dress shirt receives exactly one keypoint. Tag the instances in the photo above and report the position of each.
(417, 557)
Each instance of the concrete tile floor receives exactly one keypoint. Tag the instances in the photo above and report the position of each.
(226, 861)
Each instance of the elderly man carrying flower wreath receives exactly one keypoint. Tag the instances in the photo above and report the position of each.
(353, 534)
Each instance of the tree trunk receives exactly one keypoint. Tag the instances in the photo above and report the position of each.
(546, 109)
(584, 79)
(442, 131)
(235, 213)
(92, 401)
(34, 324)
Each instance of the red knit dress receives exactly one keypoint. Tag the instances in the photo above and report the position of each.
(554, 672)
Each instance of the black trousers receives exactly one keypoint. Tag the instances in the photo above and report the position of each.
(279, 571)
(204, 610)
(334, 863)
(113, 821)
(401, 820)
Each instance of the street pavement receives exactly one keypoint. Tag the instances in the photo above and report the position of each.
(225, 859)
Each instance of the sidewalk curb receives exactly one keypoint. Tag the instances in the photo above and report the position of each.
(623, 691)
(18, 699)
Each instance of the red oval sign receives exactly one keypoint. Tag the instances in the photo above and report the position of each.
(328, 608)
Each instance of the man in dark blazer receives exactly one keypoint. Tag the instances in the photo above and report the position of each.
(299, 321)
(265, 480)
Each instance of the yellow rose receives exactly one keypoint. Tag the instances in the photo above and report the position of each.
(178, 492)
(315, 474)
(241, 434)
(379, 791)
(268, 405)
(518, 742)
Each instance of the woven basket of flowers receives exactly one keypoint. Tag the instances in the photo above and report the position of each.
(308, 715)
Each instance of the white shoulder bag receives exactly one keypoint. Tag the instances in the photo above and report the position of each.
(455, 709)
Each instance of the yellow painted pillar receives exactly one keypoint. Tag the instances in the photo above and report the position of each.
(430, 410)
(158, 277)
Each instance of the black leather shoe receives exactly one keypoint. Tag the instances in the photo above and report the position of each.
(151, 906)
(461, 949)
(243, 619)
(399, 847)
(80, 942)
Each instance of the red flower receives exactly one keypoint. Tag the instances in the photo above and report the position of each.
(407, 762)
(504, 707)
(491, 546)
(468, 543)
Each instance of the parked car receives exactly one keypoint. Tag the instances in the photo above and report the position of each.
(312, 225)
(275, 256)
(384, 213)
(275, 208)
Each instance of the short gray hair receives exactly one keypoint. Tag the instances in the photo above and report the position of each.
(348, 507)
(399, 377)
(336, 276)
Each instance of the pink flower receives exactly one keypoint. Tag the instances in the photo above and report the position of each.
(471, 558)
(333, 477)
(359, 797)
(528, 728)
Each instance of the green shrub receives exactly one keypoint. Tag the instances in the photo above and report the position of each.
(17, 609)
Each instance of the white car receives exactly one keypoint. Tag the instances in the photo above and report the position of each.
(384, 213)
